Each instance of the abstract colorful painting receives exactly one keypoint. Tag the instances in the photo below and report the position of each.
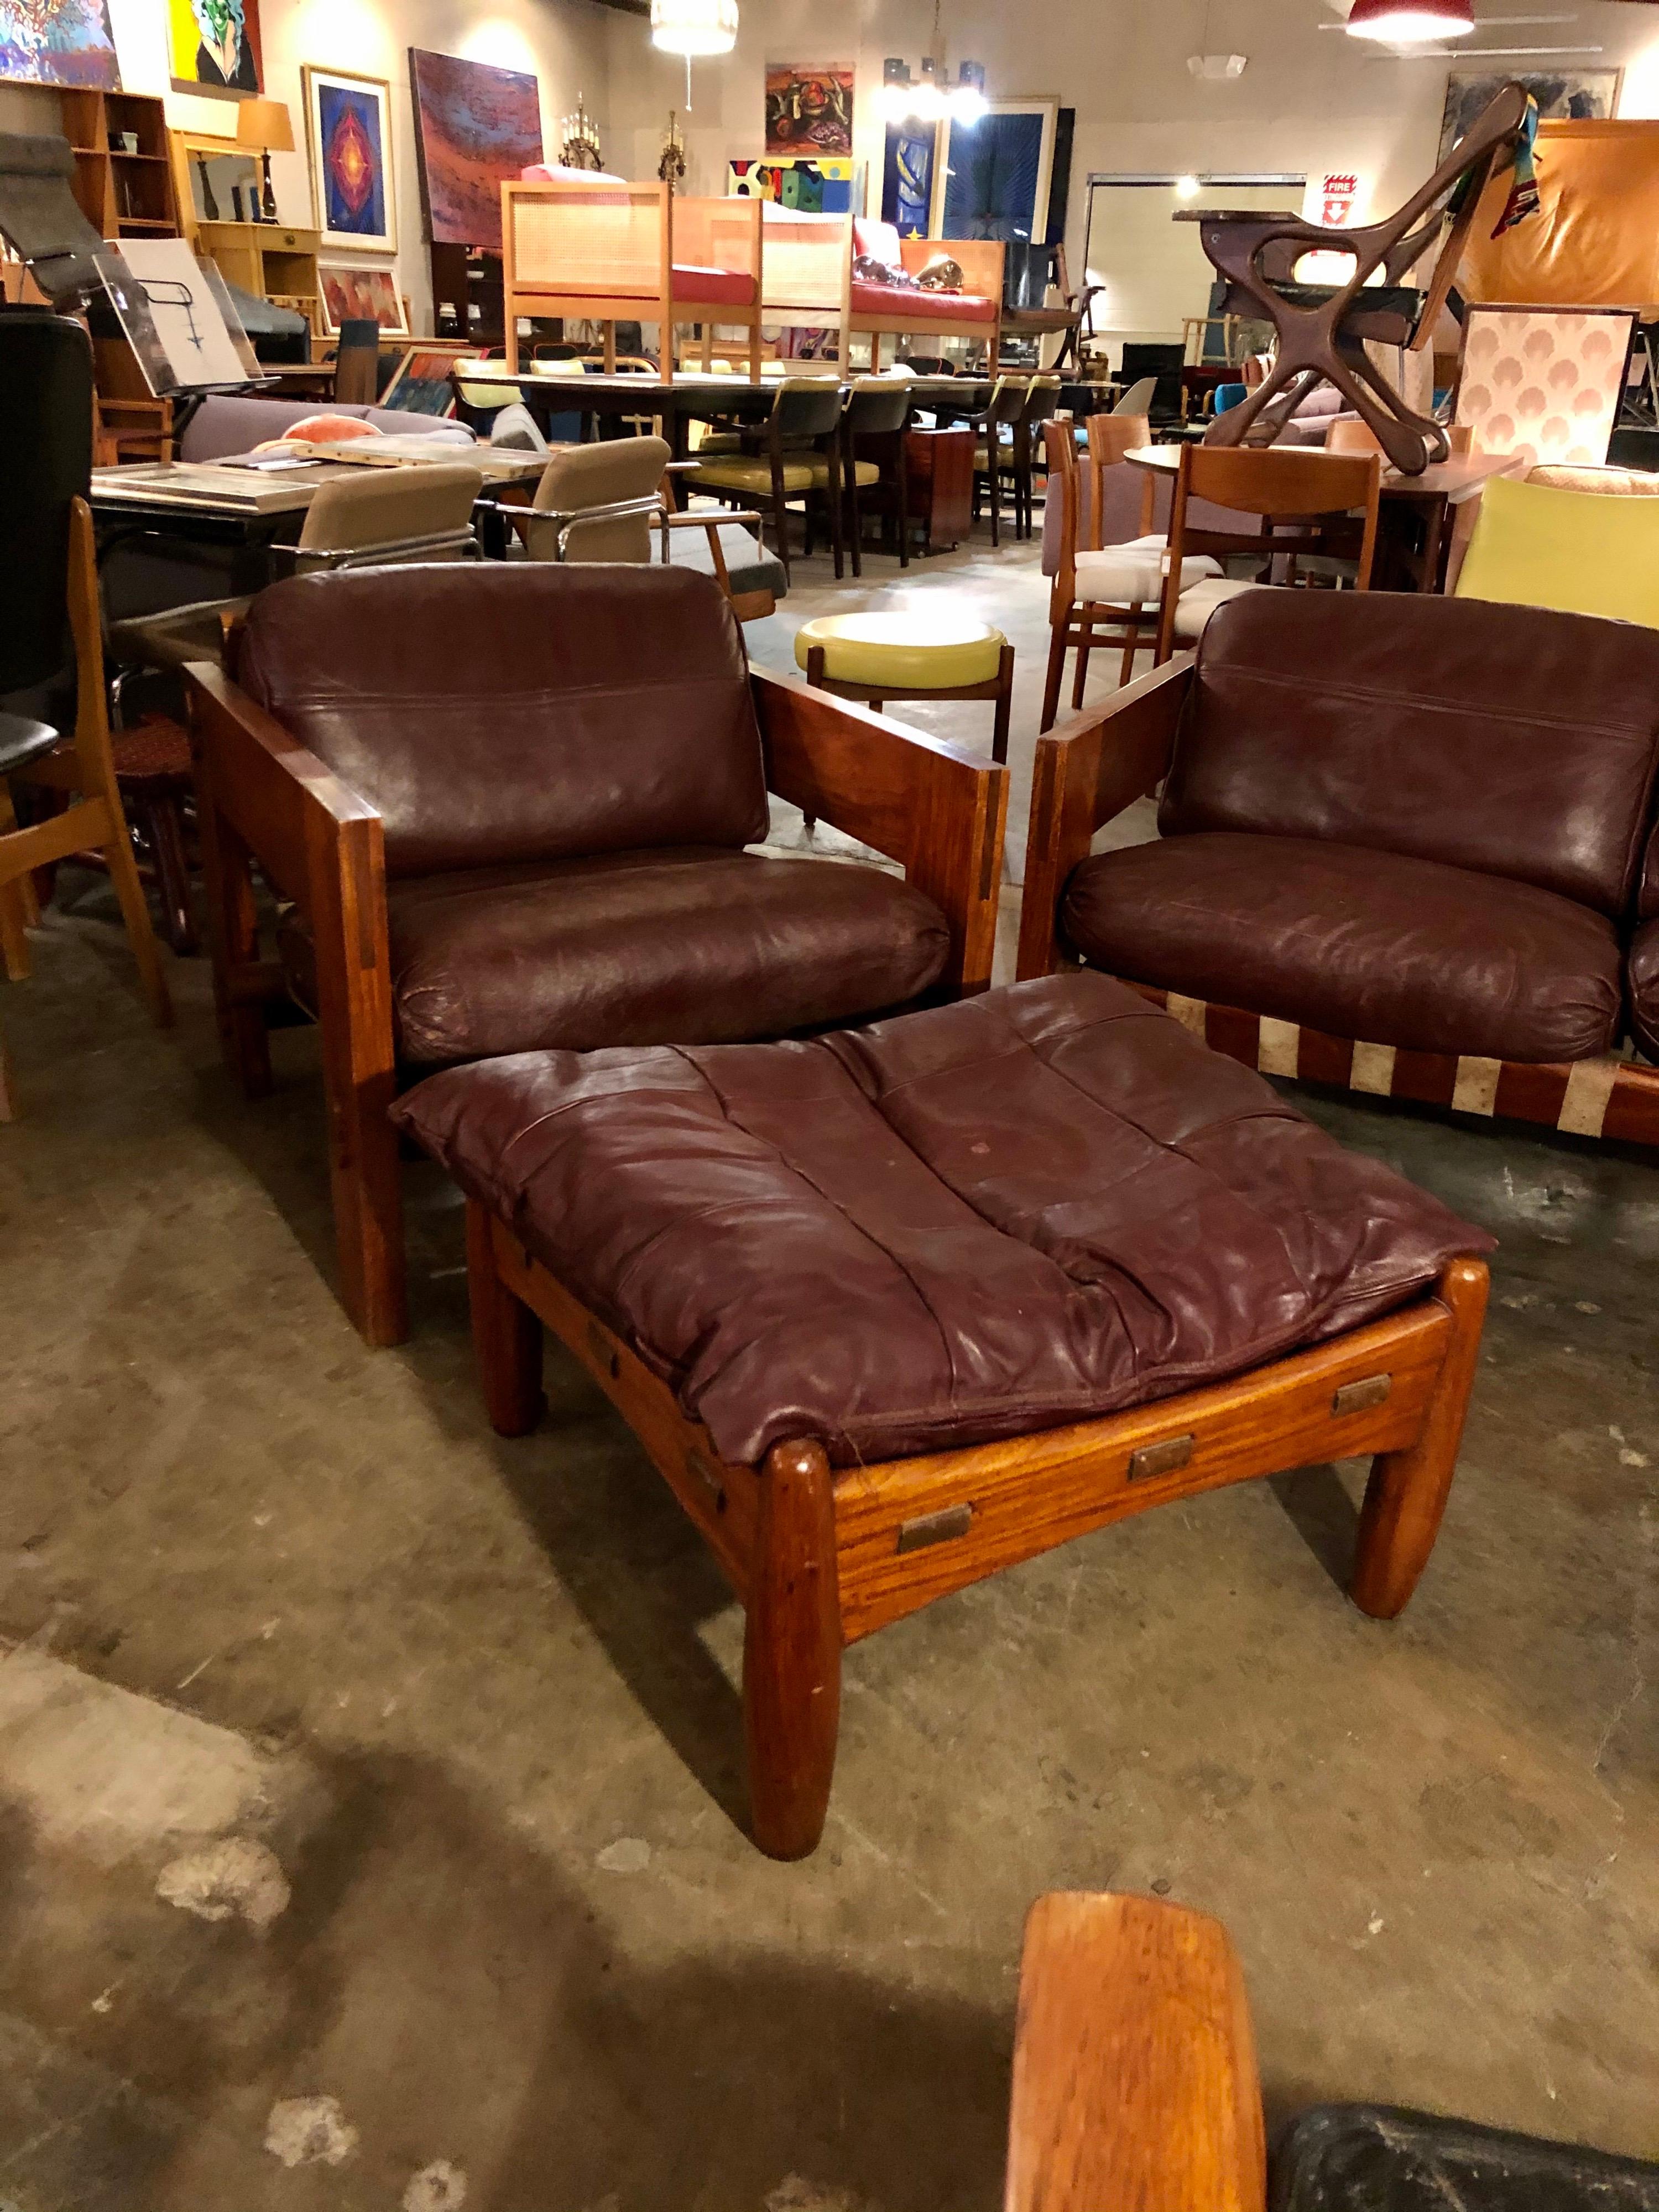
(361, 295)
(58, 42)
(808, 111)
(349, 137)
(213, 45)
(813, 187)
(476, 128)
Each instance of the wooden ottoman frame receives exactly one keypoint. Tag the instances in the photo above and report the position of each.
(821, 1558)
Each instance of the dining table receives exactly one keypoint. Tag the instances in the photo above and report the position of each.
(688, 398)
(1419, 516)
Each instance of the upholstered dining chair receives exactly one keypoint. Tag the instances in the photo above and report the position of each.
(1001, 411)
(802, 431)
(877, 407)
(1108, 595)
(510, 805)
(610, 502)
(1309, 502)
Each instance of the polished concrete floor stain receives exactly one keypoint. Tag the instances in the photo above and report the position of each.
(369, 1786)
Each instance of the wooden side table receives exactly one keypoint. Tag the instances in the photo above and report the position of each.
(941, 487)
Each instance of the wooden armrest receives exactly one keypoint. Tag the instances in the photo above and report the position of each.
(1135, 2066)
(278, 797)
(937, 811)
(1087, 772)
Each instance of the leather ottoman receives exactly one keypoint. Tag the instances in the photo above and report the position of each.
(897, 1307)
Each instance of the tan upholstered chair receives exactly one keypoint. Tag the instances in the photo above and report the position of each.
(420, 513)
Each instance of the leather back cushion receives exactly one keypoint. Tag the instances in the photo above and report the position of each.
(1505, 739)
(518, 712)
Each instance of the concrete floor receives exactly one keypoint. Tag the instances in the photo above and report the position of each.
(445, 1728)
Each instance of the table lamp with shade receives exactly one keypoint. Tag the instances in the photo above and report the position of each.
(262, 128)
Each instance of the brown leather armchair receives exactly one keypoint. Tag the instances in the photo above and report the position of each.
(1407, 846)
(509, 806)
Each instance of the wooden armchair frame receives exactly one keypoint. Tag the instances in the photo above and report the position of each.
(1135, 2079)
(530, 289)
(264, 799)
(1092, 768)
(92, 818)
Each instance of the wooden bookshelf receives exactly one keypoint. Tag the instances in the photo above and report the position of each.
(123, 194)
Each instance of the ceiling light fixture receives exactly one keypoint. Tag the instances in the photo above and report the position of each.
(694, 26)
(1408, 22)
(931, 95)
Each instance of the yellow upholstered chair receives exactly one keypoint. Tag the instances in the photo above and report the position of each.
(1580, 552)
(803, 428)
(914, 655)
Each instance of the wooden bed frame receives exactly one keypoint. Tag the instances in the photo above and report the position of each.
(537, 281)
(927, 314)
(1093, 766)
(820, 1559)
(262, 798)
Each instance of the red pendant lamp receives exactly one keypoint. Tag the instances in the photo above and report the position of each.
(1411, 22)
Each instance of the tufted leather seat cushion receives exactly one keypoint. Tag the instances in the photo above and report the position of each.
(1027, 1208)
(1366, 944)
(650, 948)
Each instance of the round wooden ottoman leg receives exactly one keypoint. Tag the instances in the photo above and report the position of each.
(1406, 1494)
(506, 1337)
(792, 1653)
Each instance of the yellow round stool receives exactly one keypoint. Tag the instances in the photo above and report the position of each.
(915, 655)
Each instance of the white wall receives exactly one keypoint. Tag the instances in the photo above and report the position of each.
(562, 43)
(1311, 101)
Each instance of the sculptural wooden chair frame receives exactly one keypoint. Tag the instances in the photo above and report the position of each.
(1322, 335)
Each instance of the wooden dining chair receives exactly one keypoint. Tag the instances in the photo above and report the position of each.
(1001, 412)
(84, 772)
(1308, 502)
(1108, 595)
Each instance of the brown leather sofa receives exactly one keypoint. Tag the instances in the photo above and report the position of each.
(1407, 845)
(509, 808)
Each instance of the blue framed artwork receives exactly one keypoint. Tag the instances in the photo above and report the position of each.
(907, 177)
(349, 135)
(997, 172)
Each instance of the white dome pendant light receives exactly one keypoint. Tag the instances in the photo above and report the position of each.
(694, 27)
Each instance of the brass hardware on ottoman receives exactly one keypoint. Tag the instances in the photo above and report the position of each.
(926, 1299)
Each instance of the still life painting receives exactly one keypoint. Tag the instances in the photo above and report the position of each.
(349, 137)
(808, 111)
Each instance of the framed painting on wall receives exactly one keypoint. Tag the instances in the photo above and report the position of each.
(476, 128)
(991, 179)
(907, 177)
(1589, 95)
(213, 46)
(814, 187)
(808, 111)
(364, 294)
(67, 42)
(349, 139)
